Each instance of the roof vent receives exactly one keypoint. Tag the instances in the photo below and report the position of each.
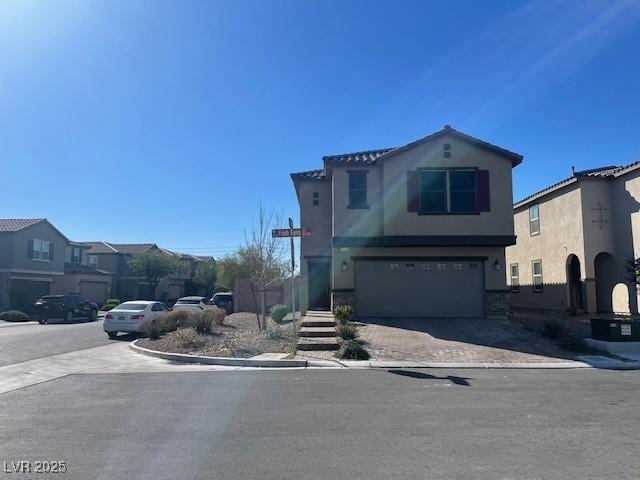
(573, 170)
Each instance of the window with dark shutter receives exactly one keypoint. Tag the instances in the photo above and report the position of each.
(413, 191)
(483, 191)
(358, 189)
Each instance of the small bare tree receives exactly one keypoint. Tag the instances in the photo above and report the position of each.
(263, 256)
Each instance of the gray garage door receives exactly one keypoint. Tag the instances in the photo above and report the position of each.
(419, 288)
(94, 291)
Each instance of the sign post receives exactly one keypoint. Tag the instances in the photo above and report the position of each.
(290, 233)
(293, 275)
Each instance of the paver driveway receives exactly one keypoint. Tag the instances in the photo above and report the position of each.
(456, 340)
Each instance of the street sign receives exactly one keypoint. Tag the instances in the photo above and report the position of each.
(290, 232)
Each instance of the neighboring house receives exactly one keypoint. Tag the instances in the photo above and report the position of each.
(37, 259)
(575, 239)
(114, 258)
(413, 231)
(79, 277)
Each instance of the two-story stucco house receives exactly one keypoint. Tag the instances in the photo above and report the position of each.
(413, 231)
(114, 258)
(574, 241)
(37, 259)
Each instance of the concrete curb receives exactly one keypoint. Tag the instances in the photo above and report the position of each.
(359, 364)
(227, 361)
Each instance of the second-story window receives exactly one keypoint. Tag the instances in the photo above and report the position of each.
(534, 219)
(41, 250)
(448, 191)
(93, 261)
(358, 189)
(76, 255)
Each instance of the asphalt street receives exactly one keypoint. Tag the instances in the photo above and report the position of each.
(29, 341)
(319, 424)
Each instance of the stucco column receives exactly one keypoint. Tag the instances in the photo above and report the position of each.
(590, 295)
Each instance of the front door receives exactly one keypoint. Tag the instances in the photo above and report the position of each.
(319, 284)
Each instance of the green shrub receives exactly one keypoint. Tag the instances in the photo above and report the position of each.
(343, 314)
(217, 314)
(14, 316)
(201, 322)
(113, 301)
(273, 333)
(347, 331)
(189, 338)
(107, 307)
(574, 343)
(152, 330)
(279, 312)
(352, 350)
(553, 330)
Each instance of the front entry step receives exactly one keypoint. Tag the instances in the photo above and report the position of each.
(312, 322)
(317, 332)
(317, 343)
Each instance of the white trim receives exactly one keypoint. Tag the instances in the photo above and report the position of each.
(35, 279)
(35, 272)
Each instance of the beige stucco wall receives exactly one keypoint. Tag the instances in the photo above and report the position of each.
(625, 194)
(357, 222)
(570, 223)
(315, 217)
(494, 279)
(561, 235)
(70, 283)
(397, 221)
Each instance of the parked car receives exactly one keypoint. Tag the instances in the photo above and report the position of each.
(223, 300)
(191, 304)
(65, 307)
(132, 316)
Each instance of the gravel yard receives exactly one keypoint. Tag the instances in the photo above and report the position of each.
(238, 337)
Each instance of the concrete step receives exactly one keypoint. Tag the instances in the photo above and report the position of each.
(317, 332)
(319, 313)
(318, 343)
(313, 322)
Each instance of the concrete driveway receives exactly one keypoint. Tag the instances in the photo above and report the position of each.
(456, 340)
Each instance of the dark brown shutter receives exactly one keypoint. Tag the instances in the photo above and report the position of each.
(30, 249)
(50, 250)
(413, 191)
(483, 192)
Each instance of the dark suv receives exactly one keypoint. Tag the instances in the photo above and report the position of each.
(66, 307)
(223, 300)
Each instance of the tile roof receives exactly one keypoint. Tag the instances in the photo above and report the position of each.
(366, 157)
(79, 268)
(100, 247)
(370, 157)
(610, 171)
(125, 248)
(132, 248)
(15, 224)
(309, 175)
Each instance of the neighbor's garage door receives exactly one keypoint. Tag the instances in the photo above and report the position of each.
(24, 293)
(429, 288)
(95, 292)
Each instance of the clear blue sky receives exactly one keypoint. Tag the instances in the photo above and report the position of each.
(168, 121)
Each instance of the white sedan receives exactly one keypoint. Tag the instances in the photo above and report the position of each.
(191, 304)
(132, 316)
